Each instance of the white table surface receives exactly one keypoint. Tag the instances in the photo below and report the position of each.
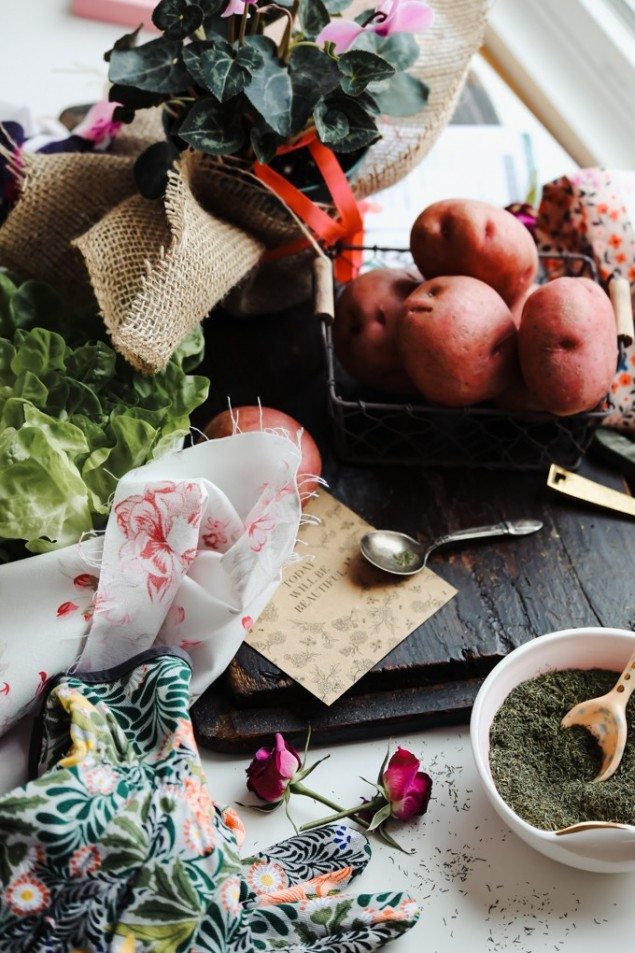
(480, 888)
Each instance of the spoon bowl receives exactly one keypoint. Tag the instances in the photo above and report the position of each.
(401, 555)
(605, 718)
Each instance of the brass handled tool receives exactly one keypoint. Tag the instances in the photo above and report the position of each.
(580, 488)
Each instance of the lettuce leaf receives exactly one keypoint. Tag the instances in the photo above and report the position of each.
(74, 417)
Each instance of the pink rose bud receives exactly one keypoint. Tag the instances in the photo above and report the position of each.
(272, 769)
(407, 788)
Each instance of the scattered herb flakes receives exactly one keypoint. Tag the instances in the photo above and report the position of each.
(545, 772)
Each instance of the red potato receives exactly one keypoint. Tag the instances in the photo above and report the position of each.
(567, 345)
(518, 397)
(517, 307)
(465, 237)
(457, 340)
(364, 332)
(256, 418)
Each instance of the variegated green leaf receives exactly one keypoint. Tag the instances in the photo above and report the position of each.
(270, 90)
(212, 128)
(215, 66)
(155, 66)
(358, 68)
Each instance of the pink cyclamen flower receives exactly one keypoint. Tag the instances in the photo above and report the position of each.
(393, 16)
(272, 769)
(236, 6)
(402, 16)
(98, 126)
(407, 788)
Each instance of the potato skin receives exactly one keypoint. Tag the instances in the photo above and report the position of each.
(457, 340)
(466, 237)
(253, 417)
(518, 398)
(364, 331)
(567, 345)
(517, 307)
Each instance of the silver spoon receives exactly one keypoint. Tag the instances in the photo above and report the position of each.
(402, 555)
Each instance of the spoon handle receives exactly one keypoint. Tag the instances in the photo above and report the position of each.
(507, 528)
(625, 684)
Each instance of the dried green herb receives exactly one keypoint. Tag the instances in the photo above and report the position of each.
(545, 772)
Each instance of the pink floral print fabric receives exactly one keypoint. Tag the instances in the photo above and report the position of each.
(193, 551)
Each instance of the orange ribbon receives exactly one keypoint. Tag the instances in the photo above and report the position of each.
(347, 228)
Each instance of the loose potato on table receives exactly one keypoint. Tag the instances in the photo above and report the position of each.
(364, 332)
(567, 345)
(253, 417)
(465, 237)
(457, 340)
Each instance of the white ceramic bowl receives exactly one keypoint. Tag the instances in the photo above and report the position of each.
(604, 850)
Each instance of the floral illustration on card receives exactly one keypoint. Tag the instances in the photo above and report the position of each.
(355, 642)
(265, 644)
(300, 659)
(327, 682)
(336, 618)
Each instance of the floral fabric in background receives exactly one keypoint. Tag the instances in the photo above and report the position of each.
(118, 845)
(585, 214)
(193, 551)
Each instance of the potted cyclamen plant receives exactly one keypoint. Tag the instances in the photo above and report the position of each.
(228, 88)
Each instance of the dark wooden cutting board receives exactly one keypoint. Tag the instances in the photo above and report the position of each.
(577, 571)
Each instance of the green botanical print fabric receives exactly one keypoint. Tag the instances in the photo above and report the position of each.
(118, 846)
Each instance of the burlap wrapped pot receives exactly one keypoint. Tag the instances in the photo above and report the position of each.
(157, 267)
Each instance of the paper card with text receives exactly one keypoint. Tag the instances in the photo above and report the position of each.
(334, 617)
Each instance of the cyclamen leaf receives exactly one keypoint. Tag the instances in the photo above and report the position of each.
(313, 75)
(177, 18)
(152, 166)
(314, 16)
(214, 66)
(337, 6)
(155, 66)
(369, 103)
(125, 42)
(403, 95)
(358, 68)
(332, 124)
(270, 90)
(264, 144)
(133, 98)
(399, 49)
(212, 128)
(330, 116)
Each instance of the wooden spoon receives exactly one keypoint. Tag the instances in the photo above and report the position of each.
(605, 718)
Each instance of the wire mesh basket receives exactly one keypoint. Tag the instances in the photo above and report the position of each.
(369, 427)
